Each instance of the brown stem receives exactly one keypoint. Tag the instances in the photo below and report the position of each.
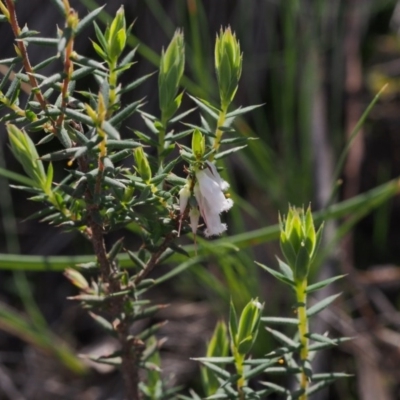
(131, 347)
(68, 69)
(25, 60)
(154, 258)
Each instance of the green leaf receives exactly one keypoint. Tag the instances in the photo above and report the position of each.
(320, 385)
(229, 151)
(129, 57)
(125, 113)
(51, 79)
(60, 5)
(136, 83)
(10, 61)
(277, 275)
(182, 115)
(276, 388)
(283, 338)
(49, 180)
(259, 369)
(78, 116)
(122, 144)
(178, 269)
(17, 177)
(6, 78)
(99, 51)
(330, 375)
(302, 266)
(205, 106)
(233, 323)
(319, 285)
(106, 325)
(245, 345)
(217, 370)
(85, 21)
(145, 138)
(84, 71)
(241, 111)
(63, 154)
(42, 41)
(321, 305)
(285, 269)
(111, 131)
(280, 320)
(64, 138)
(115, 250)
(215, 360)
(321, 346)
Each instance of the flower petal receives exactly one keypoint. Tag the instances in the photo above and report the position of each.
(184, 195)
(213, 173)
(211, 192)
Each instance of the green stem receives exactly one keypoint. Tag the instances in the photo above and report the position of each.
(301, 294)
(241, 382)
(366, 201)
(218, 132)
(161, 138)
(112, 80)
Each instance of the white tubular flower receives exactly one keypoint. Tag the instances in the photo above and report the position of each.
(211, 200)
(184, 196)
(212, 172)
(194, 216)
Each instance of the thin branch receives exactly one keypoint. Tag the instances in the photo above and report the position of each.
(25, 60)
(155, 257)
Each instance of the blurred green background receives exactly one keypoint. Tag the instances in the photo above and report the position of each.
(315, 66)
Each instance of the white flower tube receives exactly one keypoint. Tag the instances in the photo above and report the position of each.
(184, 196)
(194, 216)
(211, 200)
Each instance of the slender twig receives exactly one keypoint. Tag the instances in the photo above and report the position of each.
(26, 62)
(68, 69)
(155, 257)
(301, 295)
(218, 132)
(131, 347)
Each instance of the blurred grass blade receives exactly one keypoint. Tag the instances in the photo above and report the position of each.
(366, 201)
(15, 324)
(353, 135)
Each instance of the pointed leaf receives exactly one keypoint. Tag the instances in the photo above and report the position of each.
(85, 21)
(229, 151)
(125, 113)
(283, 338)
(205, 106)
(277, 274)
(321, 305)
(217, 370)
(322, 284)
(243, 110)
(280, 320)
(285, 269)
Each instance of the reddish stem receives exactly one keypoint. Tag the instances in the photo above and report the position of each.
(25, 60)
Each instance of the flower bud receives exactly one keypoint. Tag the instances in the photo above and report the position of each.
(198, 144)
(72, 19)
(248, 326)
(115, 35)
(194, 216)
(25, 152)
(184, 196)
(217, 347)
(299, 241)
(142, 164)
(228, 65)
(171, 70)
(77, 279)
